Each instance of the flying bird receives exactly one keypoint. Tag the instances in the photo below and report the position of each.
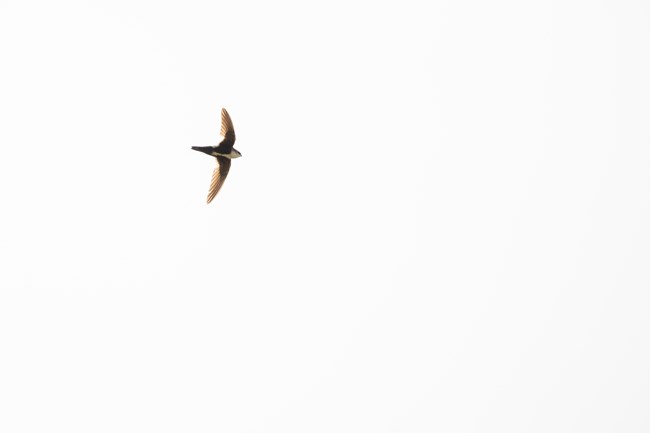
(224, 152)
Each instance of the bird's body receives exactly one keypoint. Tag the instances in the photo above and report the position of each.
(224, 152)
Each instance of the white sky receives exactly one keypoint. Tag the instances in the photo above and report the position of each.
(439, 223)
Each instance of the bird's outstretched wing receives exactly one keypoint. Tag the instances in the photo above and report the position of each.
(227, 130)
(218, 175)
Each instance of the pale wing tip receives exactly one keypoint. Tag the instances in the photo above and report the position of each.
(214, 189)
(211, 196)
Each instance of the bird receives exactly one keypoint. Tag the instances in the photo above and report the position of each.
(224, 152)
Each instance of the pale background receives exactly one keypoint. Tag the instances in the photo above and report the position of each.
(440, 223)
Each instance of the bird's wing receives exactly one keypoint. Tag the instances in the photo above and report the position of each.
(227, 130)
(218, 176)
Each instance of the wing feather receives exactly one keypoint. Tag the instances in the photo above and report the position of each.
(218, 176)
(227, 130)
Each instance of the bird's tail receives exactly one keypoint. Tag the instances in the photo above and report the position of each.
(206, 149)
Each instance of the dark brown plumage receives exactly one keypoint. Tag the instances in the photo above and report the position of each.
(224, 152)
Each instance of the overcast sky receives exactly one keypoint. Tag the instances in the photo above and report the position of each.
(440, 222)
